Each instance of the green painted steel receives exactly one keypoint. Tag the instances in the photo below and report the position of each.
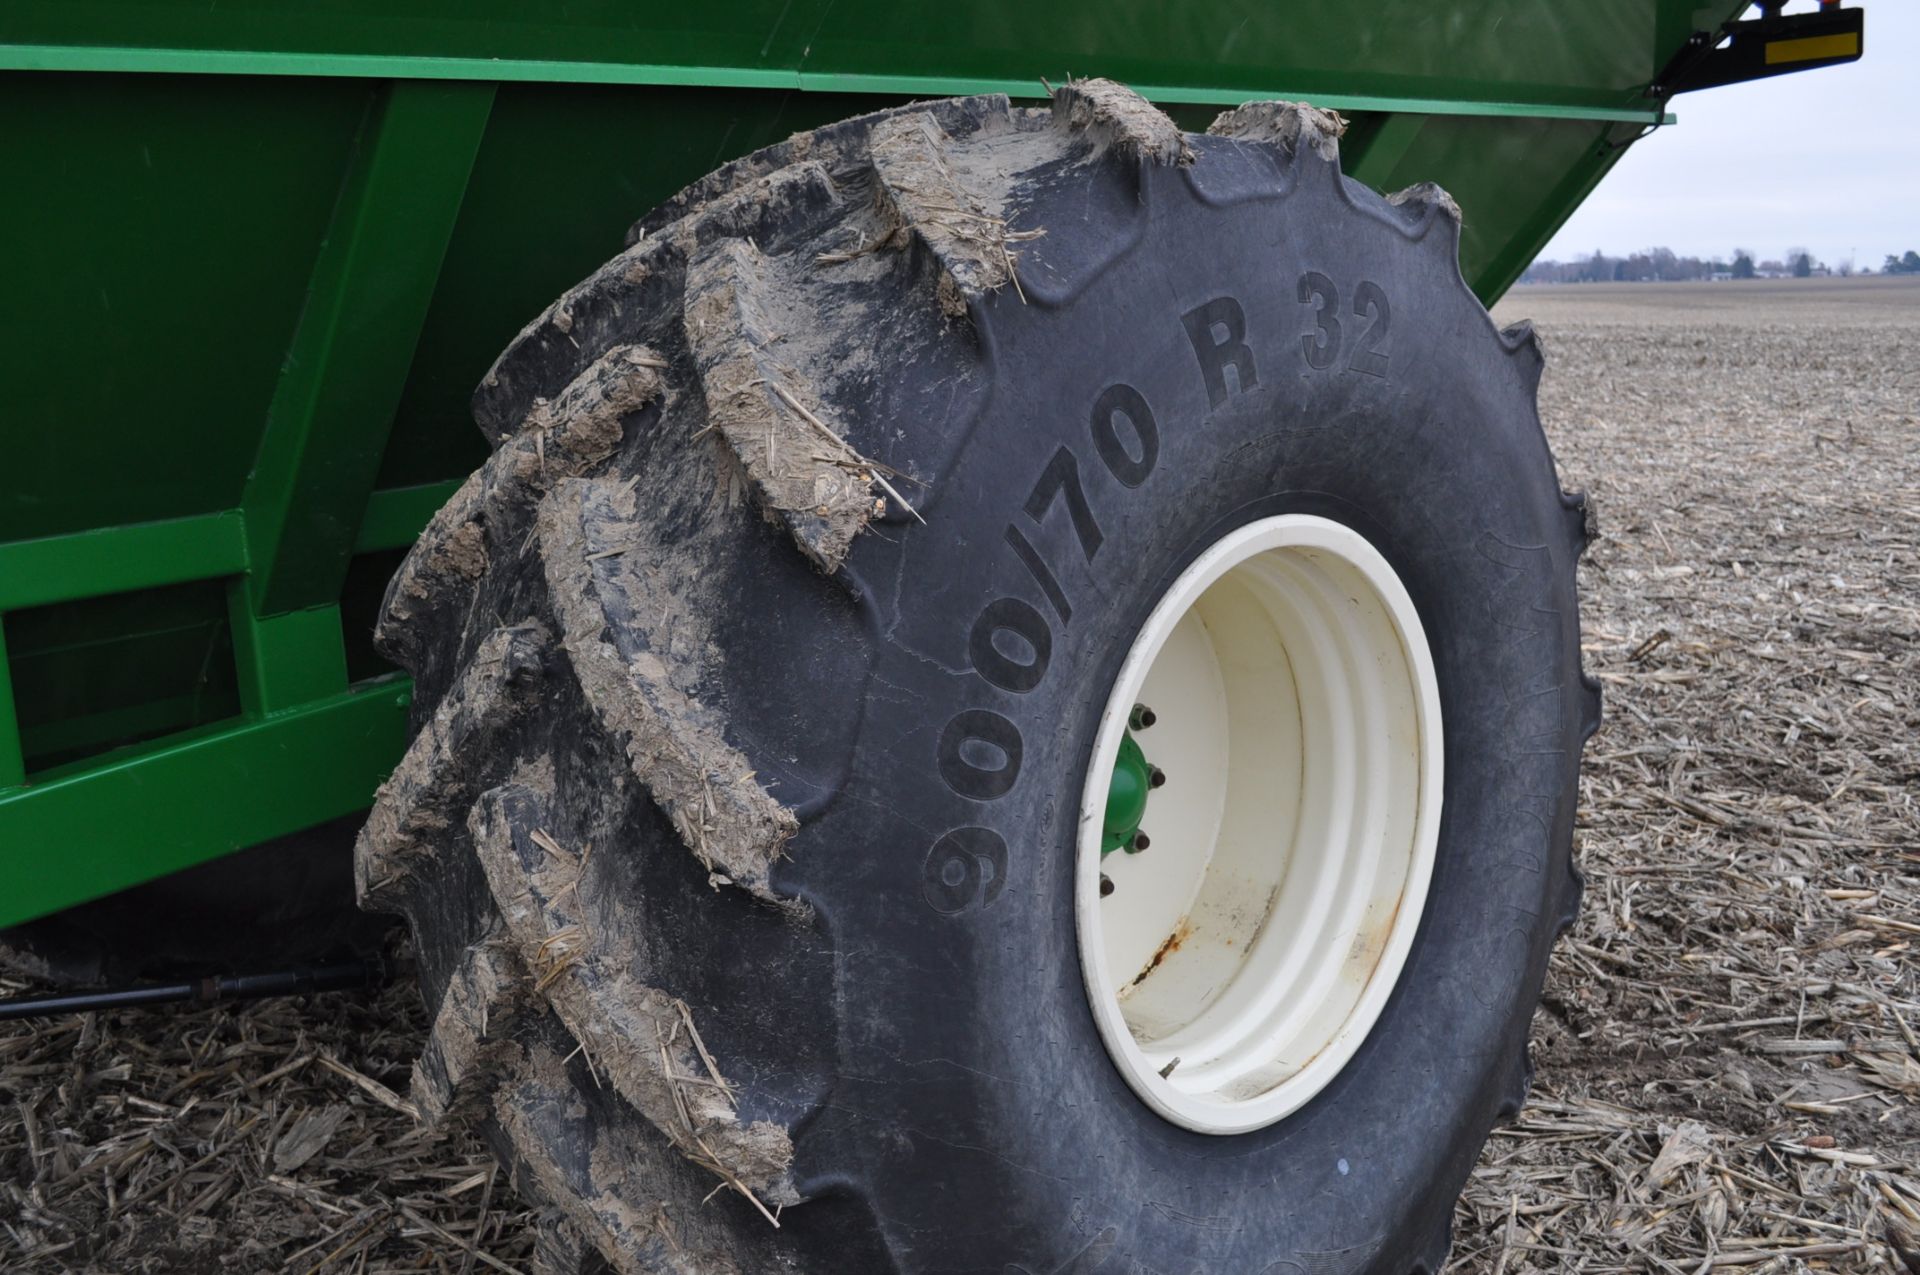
(87, 830)
(327, 425)
(1126, 797)
(166, 229)
(286, 660)
(520, 70)
(394, 517)
(110, 559)
(261, 252)
(1598, 54)
(13, 765)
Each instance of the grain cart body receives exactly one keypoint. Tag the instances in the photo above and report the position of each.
(262, 252)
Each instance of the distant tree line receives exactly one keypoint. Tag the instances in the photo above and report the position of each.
(1665, 265)
(1653, 263)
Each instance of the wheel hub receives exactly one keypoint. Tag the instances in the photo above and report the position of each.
(1237, 968)
(1134, 779)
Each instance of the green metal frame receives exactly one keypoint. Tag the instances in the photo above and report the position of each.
(89, 830)
(521, 70)
(399, 183)
(306, 748)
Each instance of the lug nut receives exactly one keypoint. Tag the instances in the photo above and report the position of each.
(1140, 842)
(1106, 885)
(1141, 717)
(1156, 777)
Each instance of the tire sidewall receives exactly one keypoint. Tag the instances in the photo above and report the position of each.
(1010, 1140)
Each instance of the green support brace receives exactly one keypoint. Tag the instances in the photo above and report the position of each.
(372, 283)
(396, 516)
(285, 660)
(106, 560)
(107, 823)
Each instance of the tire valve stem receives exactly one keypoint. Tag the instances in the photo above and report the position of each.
(1141, 717)
(1106, 885)
(1156, 777)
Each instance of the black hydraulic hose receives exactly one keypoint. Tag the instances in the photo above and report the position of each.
(370, 973)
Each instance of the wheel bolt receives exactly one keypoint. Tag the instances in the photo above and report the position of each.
(1156, 777)
(1141, 717)
(1106, 885)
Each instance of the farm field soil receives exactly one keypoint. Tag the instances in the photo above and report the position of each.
(1728, 1067)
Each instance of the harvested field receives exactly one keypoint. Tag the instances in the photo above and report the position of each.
(1728, 1065)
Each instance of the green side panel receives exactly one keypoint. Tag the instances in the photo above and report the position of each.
(1598, 53)
(736, 33)
(1516, 180)
(1595, 54)
(162, 233)
(147, 812)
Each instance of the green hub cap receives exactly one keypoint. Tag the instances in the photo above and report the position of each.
(1133, 778)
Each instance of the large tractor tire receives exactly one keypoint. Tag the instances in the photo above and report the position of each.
(1008, 700)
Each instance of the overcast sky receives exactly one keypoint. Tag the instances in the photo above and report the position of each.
(1827, 159)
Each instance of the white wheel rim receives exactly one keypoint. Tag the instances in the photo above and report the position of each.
(1258, 938)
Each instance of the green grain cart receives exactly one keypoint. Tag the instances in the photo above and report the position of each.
(997, 690)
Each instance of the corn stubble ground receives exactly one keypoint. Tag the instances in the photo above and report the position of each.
(1729, 1074)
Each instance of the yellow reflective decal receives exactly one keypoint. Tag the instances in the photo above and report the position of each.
(1814, 46)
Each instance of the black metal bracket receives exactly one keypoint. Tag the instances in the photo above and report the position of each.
(1774, 43)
